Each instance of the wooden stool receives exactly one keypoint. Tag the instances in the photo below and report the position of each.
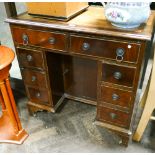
(148, 101)
(11, 130)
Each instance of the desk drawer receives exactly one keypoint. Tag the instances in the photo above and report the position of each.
(116, 50)
(38, 95)
(49, 40)
(113, 116)
(115, 96)
(30, 58)
(34, 78)
(120, 75)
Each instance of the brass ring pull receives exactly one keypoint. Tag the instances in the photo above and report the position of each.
(117, 75)
(119, 58)
(38, 95)
(29, 58)
(115, 97)
(51, 40)
(85, 46)
(25, 39)
(119, 54)
(33, 78)
(113, 115)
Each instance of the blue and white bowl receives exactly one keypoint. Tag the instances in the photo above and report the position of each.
(127, 14)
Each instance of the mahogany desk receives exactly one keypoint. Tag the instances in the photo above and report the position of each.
(85, 59)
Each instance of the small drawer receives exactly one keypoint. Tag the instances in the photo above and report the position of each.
(113, 116)
(38, 95)
(30, 58)
(34, 78)
(116, 50)
(115, 96)
(49, 40)
(120, 75)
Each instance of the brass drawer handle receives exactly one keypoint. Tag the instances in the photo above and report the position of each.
(38, 95)
(29, 58)
(85, 46)
(33, 78)
(113, 115)
(117, 75)
(115, 97)
(25, 39)
(51, 40)
(119, 54)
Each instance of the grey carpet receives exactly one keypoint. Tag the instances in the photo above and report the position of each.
(71, 129)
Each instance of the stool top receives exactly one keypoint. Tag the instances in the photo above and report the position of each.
(6, 56)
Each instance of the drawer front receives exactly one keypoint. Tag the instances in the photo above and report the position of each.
(118, 74)
(38, 95)
(34, 78)
(29, 58)
(115, 96)
(113, 116)
(49, 40)
(117, 50)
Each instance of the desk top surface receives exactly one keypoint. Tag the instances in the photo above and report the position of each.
(91, 21)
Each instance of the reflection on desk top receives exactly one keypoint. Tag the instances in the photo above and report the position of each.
(92, 20)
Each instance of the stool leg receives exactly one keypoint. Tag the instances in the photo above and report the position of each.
(8, 86)
(2, 102)
(10, 126)
(7, 103)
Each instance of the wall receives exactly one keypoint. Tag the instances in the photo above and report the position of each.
(6, 38)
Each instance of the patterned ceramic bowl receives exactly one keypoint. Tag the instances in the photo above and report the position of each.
(127, 14)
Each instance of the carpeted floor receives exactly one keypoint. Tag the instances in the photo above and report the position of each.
(71, 129)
